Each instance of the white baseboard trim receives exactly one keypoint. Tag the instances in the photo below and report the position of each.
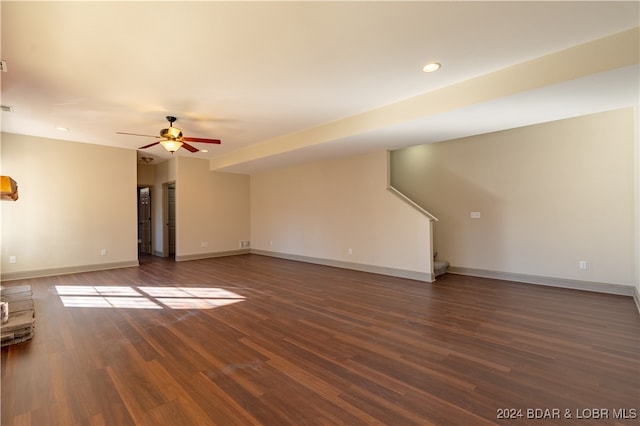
(198, 256)
(382, 270)
(22, 275)
(622, 290)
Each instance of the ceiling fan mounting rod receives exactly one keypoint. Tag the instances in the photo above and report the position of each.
(171, 119)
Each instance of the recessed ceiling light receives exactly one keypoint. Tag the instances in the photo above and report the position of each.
(431, 67)
(62, 129)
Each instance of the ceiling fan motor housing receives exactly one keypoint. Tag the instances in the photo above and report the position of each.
(171, 133)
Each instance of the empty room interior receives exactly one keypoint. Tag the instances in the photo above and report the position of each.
(320, 213)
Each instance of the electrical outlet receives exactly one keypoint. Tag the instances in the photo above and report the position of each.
(582, 264)
(103, 252)
(350, 250)
(204, 244)
(12, 259)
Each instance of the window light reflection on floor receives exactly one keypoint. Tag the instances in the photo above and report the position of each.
(86, 290)
(195, 303)
(146, 297)
(200, 292)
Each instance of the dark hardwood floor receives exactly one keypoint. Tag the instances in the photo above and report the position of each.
(256, 340)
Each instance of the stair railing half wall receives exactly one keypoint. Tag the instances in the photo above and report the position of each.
(413, 204)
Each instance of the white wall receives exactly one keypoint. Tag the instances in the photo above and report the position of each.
(549, 195)
(75, 200)
(319, 211)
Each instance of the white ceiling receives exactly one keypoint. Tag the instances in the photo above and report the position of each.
(256, 74)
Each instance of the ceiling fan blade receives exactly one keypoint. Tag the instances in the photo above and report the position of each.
(189, 147)
(150, 145)
(135, 134)
(201, 140)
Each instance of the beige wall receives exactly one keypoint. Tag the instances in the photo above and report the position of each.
(146, 175)
(321, 210)
(212, 211)
(549, 195)
(636, 137)
(75, 200)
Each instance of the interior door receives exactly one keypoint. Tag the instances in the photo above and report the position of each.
(144, 220)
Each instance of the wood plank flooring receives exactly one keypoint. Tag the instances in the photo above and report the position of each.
(250, 339)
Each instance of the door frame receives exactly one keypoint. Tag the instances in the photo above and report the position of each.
(165, 221)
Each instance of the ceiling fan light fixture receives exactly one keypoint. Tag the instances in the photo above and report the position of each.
(171, 146)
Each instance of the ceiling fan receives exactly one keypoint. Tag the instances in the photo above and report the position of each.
(172, 138)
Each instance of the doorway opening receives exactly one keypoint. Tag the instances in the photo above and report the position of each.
(144, 220)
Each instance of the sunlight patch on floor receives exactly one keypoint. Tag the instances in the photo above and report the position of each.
(147, 297)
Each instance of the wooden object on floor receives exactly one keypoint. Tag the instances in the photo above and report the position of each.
(253, 340)
(20, 326)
